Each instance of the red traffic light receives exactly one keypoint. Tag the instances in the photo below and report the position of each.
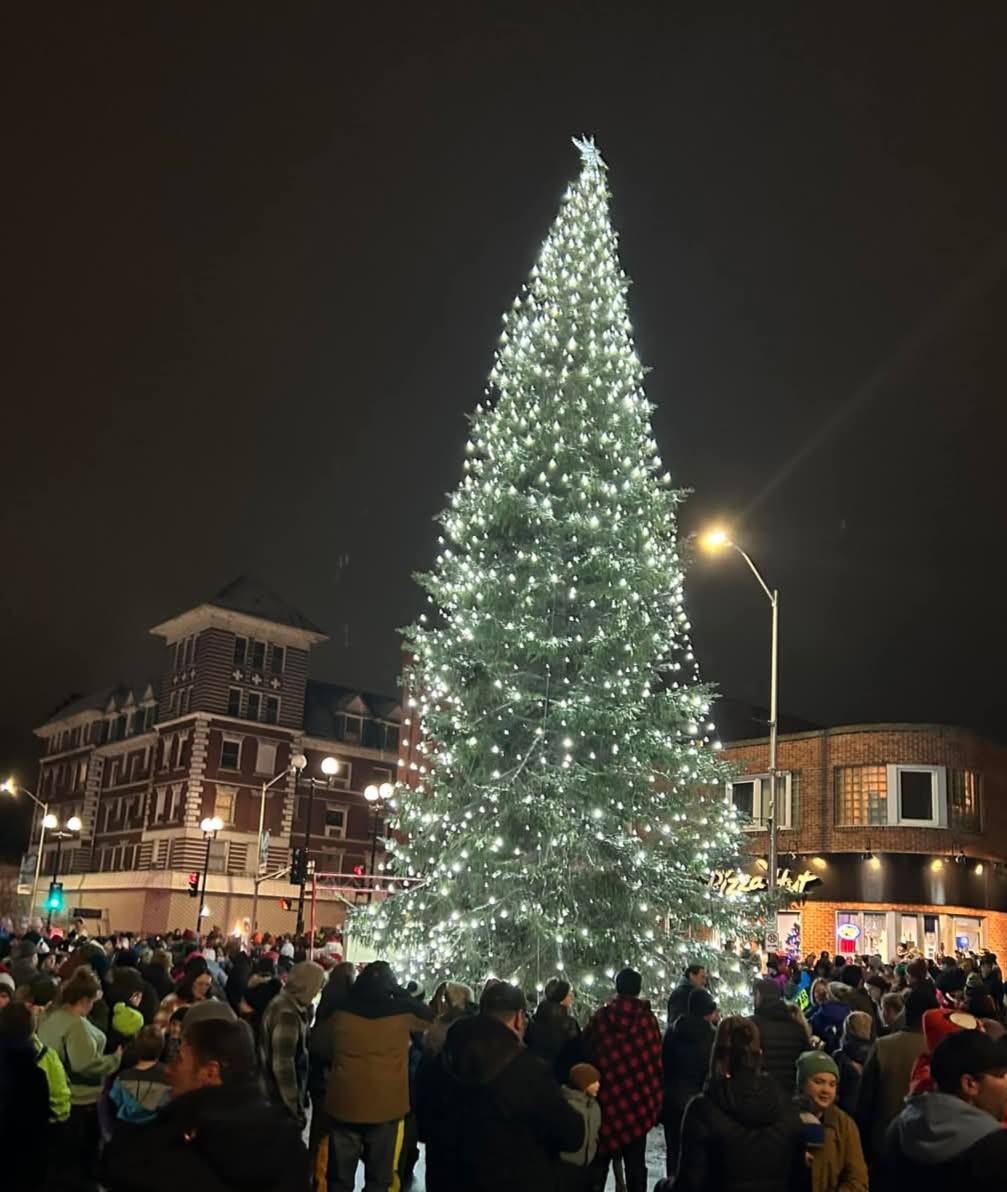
(285, 904)
(193, 882)
(358, 871)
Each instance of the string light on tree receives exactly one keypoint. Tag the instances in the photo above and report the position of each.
(567, 802)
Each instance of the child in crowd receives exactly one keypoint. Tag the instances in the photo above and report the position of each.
(581, 1091)
(832, 1138)
(139, 1091)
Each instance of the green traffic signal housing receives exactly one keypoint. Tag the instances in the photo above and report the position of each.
(55, 900)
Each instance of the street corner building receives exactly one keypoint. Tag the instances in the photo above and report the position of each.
(143, 765)
(889, 836)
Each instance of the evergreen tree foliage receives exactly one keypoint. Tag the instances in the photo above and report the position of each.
(568, 806)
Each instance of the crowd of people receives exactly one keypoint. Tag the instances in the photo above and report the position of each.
(215, 1064)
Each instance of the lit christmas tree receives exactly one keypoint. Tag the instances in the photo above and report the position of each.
(568, 806)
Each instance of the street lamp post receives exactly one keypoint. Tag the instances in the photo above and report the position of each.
(210, 827)
(297, 763)
(716, 540)
(10, 787)
(376, 796)
(59, 833)
(330, 768)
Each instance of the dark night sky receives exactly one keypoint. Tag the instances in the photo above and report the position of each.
(256, 256)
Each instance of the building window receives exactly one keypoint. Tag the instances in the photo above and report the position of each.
(240, 650)
(861, 795)
(391, 738)
(277, 659)
(335, 822)
(265, 758)
(917, 795)
(349, 727)
(230, 754)
(272, 715)
(175, 805)
(751, 796)
(223, 805)
(234, 701)
(254, 702)
(185, 701)
(258, 656)
(173, 703)
(964, 800)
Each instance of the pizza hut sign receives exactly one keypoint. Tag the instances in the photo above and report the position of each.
(735, 881)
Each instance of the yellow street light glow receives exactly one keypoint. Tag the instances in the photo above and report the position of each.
(330, 766)
(74, 823)
(8, 786)
(715, 539)
(979, 869)
(937, 864)
(50, 822)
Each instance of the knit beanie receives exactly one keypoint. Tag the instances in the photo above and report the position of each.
(304, 982)
(126, 1021)
(583, 1076)
(8, 980)
(811, 1063)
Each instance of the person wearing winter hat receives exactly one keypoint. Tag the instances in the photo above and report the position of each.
(686, 1063)
(283, 1039)
(937, 1025)
(782, 1038)
(581, 1093)
(6, 989)
(837, 1158)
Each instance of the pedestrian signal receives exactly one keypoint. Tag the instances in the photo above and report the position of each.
(55, 900)
(193, 885)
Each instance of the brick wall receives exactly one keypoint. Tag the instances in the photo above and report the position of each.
(818, 923)
(816, 755)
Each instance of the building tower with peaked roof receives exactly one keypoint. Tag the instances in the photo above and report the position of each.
(143, 764)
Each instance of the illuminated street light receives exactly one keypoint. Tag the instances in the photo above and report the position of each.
(713, 541)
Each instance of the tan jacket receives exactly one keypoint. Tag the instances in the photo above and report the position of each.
(839, 1165)
(369, 1078)
(884, 1085)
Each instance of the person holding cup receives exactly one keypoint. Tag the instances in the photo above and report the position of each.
(831, 1136)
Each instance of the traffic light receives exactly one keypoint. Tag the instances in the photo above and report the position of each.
(298, 866)
(55, 900)
(193, 885)
(286, 904)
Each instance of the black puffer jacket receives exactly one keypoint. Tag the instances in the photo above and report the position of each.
(686, 1062)
(491, 1114)
(741, 1135)
(783, 1040)
(554, 1036)
(201, 1141)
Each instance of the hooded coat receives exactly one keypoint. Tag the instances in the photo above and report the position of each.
(940, 1142)
(783, 1040)
(741, 1135)
(850, 1059)
(201, 1140)
(623, 1042)
(491, 1114)
(686, 1062)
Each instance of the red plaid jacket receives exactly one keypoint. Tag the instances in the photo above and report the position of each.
(624, 1042)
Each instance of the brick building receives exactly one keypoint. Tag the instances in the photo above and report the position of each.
(890, 832)
(143, 765)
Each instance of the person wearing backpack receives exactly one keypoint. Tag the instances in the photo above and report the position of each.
(581, 1093)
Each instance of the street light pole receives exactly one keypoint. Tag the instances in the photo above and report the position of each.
(330, 768)
(716, 540)
(73, 826)
(376, 796)
(10, 787)
(297, 763)
(210, 827)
